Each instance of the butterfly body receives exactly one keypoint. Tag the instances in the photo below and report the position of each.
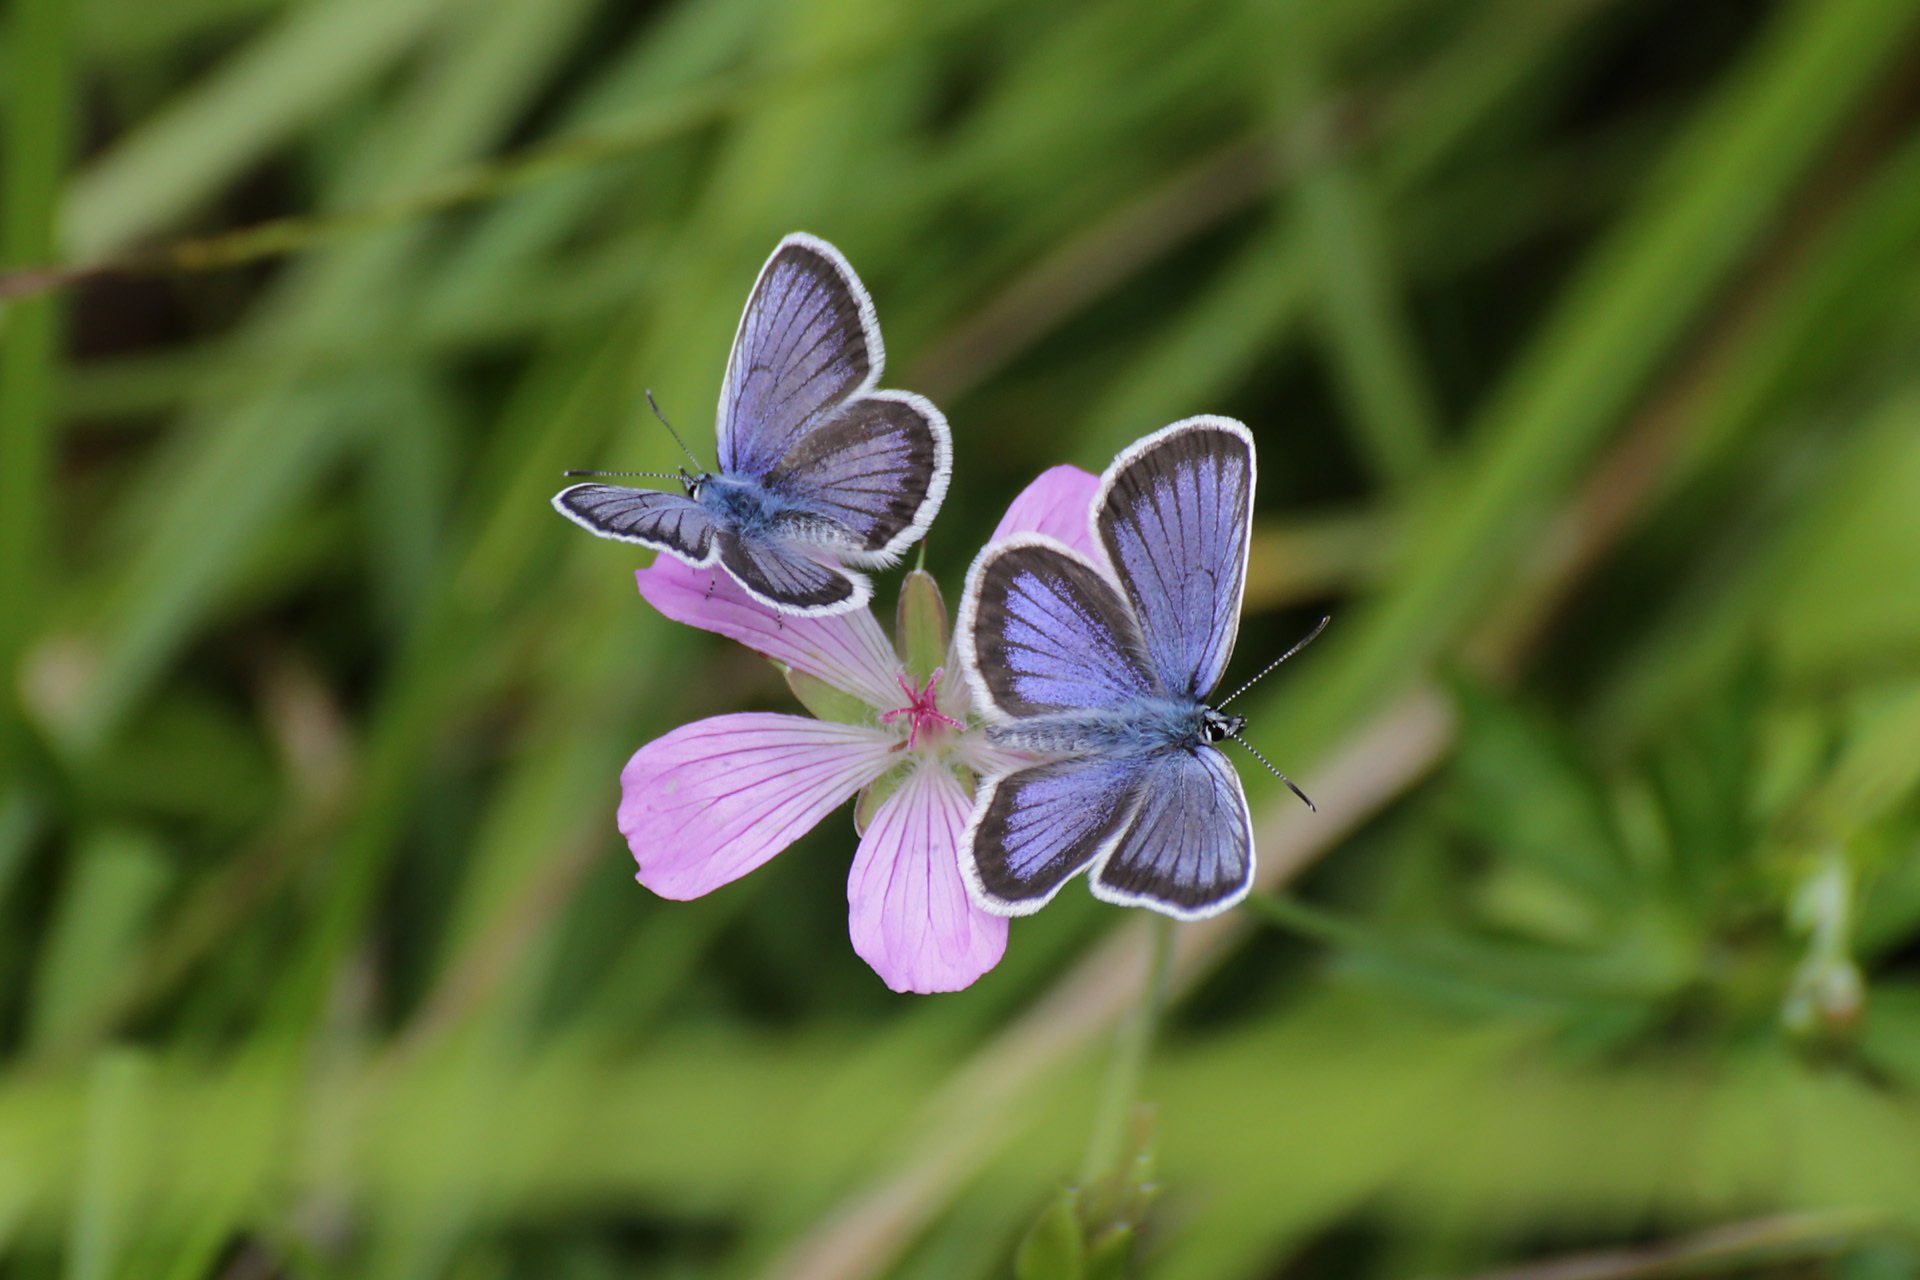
(1141, 728)
(740, 504)
(820, 474)
(1103, 668)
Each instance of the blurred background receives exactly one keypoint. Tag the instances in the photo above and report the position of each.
(1578, 338)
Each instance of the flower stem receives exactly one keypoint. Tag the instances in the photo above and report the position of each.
(1115, 1117)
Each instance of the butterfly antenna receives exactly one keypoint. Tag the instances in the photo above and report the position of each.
(1275, 772)
(1302, 643)
(670, 431)
(649, 475)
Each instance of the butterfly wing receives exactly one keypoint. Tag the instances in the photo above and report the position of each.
(1033, 829)
(1043, 632)
(776, 572)
(1189, 848)
(663, 521)
(1174, 514)
(877, 470)
(807, 342)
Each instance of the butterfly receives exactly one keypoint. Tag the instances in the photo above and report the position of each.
(820, 474)
(1100, 671)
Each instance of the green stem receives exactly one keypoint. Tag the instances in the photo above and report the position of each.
(1373, 353)
(35, 142)
(1122, 1095)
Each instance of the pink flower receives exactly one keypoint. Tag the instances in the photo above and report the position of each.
(712, 800)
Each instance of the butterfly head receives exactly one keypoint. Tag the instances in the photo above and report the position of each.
(692, 483)
(1218, 725)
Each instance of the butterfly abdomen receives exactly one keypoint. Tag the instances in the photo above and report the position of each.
(1147, 726)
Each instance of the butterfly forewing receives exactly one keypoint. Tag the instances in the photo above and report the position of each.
(1047, 633)
(666, 521)
(1189, 847)
(807, 342)
(1175, 518)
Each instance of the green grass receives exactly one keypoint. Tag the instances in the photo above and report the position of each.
(1577, 337)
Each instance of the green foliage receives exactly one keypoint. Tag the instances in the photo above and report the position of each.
(1577, 338)
(1055, 1247)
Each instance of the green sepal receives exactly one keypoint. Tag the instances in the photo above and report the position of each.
(1054, 1247)
(920, 629)
(875, 794)
(1114, 1205)
(1110, 1255)
(825, 702)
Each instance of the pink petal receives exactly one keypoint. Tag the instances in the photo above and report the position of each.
(1059, 504)
(712, 800)
(847, 650)
(910, 916)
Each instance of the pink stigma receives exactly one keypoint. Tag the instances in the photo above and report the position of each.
(921, 712)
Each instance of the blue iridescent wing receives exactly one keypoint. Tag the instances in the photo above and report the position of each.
(1174, 514)
(878, 470)
(1043, 632)
(1189, 848)
(1033, 829)
(664, 521)
(784, 577)
(808, 342)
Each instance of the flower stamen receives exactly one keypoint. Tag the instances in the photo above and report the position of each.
(922, 710)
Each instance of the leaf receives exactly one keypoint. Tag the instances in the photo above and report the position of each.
(1054, 1248)
(1526, 796)
(116, 879)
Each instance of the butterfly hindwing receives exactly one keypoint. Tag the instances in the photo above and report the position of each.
(808, 341)
(664, 521)
(1032, 830)
(1174, 515)
(1188, 850)
(787, 579)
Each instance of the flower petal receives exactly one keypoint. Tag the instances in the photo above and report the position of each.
(847, 650)
(910, 915)
(712, 800)
(1059, 504)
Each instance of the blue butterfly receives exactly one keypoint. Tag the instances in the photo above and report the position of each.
(1104, 671)
(819, 473)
